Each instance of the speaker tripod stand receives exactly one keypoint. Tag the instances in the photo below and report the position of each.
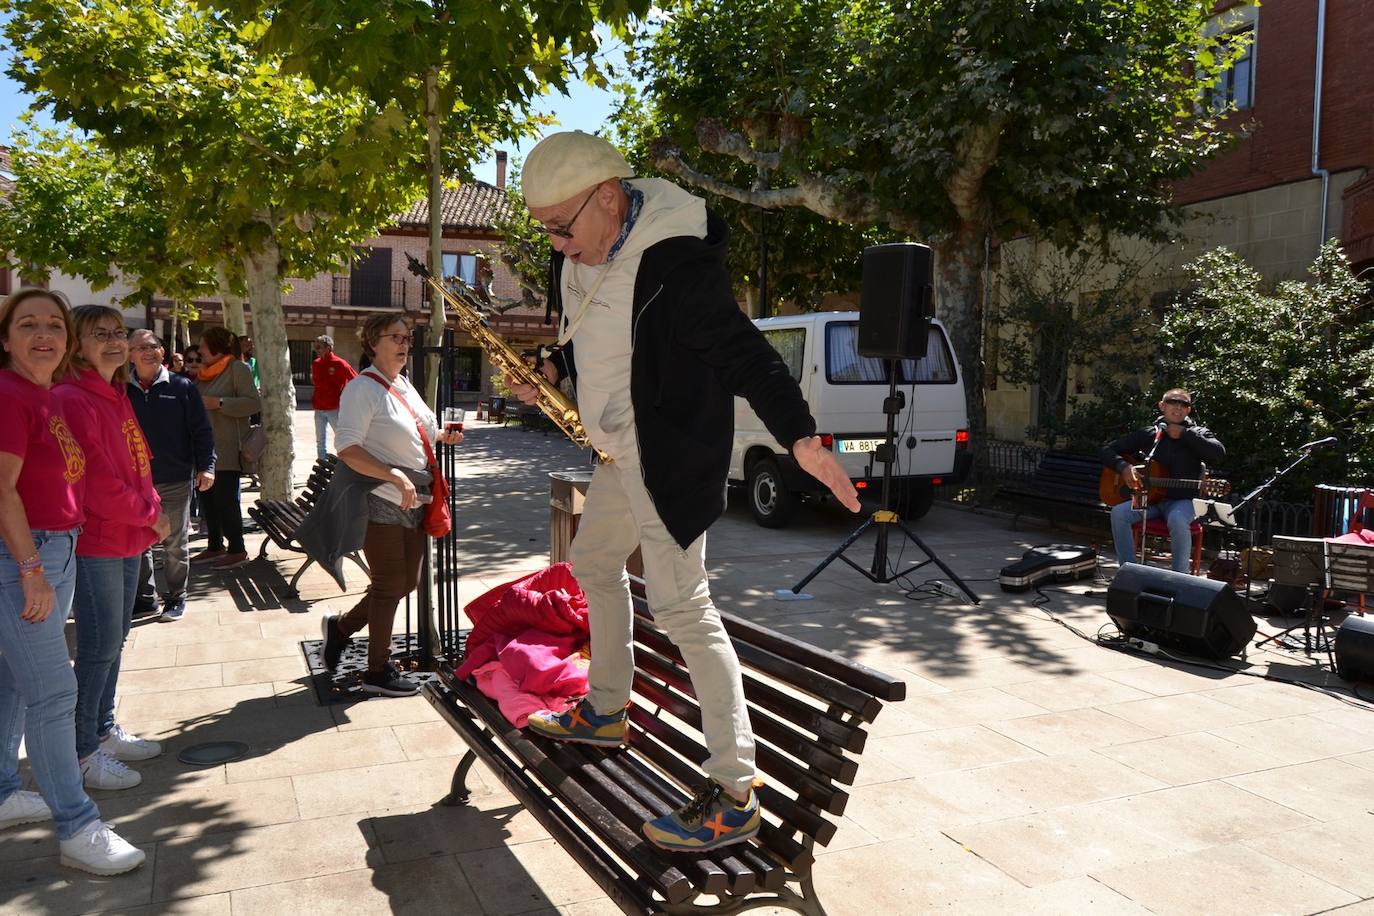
(881, 569)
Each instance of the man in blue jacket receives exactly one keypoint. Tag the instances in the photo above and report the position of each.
(644, 297)
(178, 431)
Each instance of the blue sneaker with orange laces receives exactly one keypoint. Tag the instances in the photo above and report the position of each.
(581, 725)
(712, 818)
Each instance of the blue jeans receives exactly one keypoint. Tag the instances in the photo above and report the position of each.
(38, 688)
(1177, 513)
(323, 420)
(104, 608)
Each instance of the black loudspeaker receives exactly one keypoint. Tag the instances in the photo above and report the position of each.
(1199, 616)
(898, 301)
(1354, 649)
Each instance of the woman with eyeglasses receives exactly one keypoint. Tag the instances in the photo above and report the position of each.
(123, 517)
(191, 362)
(226, 387)
(385, 433)
(42, 481)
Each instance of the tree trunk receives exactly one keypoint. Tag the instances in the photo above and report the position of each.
(437, 318)
(233, 303)
(959, 304)
(262, 269)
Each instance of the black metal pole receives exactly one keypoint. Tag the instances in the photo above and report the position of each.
(425, 657)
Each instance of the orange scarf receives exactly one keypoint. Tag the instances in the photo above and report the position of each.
(214, 370)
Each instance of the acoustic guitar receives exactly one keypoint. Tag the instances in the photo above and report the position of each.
(1113, 489)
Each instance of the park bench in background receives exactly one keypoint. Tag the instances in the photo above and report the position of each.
(808, 708)
(279, 520)
(1062, 480)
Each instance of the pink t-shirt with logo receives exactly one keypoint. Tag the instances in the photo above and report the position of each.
(52, 480)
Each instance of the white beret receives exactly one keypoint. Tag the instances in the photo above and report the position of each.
(564, 163)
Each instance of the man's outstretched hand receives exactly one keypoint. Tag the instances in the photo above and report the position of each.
(818, 461)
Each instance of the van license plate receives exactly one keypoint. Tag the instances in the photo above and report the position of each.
(860, 445)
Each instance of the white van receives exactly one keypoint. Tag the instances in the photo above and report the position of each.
(846, 392)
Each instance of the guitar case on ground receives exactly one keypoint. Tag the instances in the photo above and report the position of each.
(1059, 562)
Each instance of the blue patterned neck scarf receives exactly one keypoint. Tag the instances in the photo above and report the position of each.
(636, 204)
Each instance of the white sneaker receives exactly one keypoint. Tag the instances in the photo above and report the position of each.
(23, 808)
(121, 745)
(100, 851)
(101, 771)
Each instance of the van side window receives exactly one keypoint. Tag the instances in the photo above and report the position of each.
(844, 365)
(791, 346)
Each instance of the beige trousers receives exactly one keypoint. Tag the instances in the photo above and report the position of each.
(617, 516)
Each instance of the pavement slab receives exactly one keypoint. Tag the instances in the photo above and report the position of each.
(1029, 770)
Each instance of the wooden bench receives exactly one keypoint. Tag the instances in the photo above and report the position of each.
(1061, 479)
(808, 708)
(279, 519)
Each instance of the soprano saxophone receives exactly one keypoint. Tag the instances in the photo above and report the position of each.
(552, 402)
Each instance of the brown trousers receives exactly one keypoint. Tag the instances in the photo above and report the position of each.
(393, 555)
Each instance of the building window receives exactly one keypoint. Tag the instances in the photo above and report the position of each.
(1236, 87)
(462, 266)
(467, 369)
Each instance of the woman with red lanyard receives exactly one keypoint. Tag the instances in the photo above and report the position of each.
(123, 517)
(42, 480)
(387, 432)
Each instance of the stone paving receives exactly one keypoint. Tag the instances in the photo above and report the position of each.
(1029, 771)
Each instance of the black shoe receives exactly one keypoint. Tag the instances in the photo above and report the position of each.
(144, 612)
(334, 642)
(388, 683)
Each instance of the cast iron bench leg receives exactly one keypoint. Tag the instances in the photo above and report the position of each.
(458, 793)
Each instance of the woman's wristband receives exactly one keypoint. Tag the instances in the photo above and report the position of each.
(32, 562)
(31, 572)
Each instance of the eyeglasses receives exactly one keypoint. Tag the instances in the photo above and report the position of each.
(105, 336)
(565, 232)
(1178, 402)
(146, 348)
(399, 340)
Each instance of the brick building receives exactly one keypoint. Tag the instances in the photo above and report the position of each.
(1289, 182)
(379, 281)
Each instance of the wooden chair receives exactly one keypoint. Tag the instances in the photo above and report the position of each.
(1349, 570)
(1157, 527)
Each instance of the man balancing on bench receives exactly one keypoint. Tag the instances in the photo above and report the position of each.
(644, 297)
(1181, 449)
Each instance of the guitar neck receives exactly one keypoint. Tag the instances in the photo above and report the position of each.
(1174, 482)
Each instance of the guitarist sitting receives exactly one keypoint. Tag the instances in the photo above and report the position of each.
(1183, 449)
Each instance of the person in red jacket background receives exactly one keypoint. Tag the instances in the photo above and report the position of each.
(329, 373)
(123, 517)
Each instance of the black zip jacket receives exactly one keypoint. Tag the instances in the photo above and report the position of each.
(176, 425)
(693, 351)
(1183, 457)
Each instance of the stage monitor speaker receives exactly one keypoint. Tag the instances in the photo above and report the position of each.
(898, 301)
(1198, 616)
(1354, 649)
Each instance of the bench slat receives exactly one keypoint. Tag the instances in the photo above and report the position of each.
(830, 730)
(776, 840)
(766, 727)
(664, 878)
(610, 875)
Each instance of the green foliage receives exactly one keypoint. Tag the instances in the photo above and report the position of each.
(242, 150)
(525, 249)
(80, 209)
(1059, 310)
(1273, 368)
(771, 48)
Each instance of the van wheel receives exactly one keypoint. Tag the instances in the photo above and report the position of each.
(771, 502)
(913, 501)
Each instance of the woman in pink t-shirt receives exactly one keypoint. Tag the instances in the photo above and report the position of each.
(42, 480)
(123, 518)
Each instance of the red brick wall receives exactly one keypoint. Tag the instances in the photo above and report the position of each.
(1279, 147)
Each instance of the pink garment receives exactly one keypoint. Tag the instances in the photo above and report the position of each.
(1363, 537)
(515, 704)
(549, 601)
(526, 641)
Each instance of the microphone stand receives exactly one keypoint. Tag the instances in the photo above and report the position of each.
(1257, 496)
(1145, 486)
